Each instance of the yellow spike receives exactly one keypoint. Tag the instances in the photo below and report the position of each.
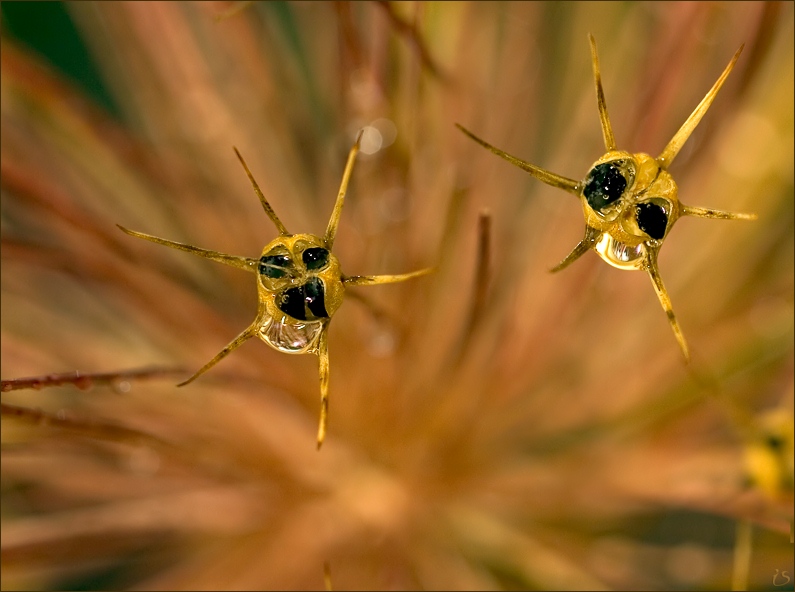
(607, 130)
(248, 333)
(331, 230)
(373, 280)
(244, 263)
(573, 187)
(586, 244)
(268, 209)
(322, 354)
(667, 156)
(577, 252)
(665, 301)
(715, 214)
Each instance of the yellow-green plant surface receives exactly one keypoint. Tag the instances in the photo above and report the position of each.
(494, 426)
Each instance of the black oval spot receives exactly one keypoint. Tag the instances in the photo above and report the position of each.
(274, 266)
(652, 219)
(774, 442)
(315, 298)
(315, 258)
(604, 185)
(291, 302)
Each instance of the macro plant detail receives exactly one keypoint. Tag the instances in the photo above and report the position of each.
(480, 437)
(630, 201)
(299, 287)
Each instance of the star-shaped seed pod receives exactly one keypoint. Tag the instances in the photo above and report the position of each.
(300, 286)
(630, 201)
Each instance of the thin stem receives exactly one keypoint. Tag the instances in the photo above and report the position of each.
(742, 555)
(715, 214)
(83, 380)
(665, 301)
(607, 129)
(244, 263)
(672, 149)
(372, 280)
(266, 206)
(578, 251)
(247, 334)
(323, 368)
(573, 187)
(334, 221)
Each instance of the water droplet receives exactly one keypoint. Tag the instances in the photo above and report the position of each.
(619, 254)
(372, 140)
(292, 337)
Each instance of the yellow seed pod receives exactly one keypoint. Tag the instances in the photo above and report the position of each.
(769, 454)
(300, 286)
(629, 200)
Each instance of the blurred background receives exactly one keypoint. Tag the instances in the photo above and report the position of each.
(492, 426)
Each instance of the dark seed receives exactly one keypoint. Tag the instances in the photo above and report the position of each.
(291, 302)
(315, 258)
(315, 298)
(652, 219)
(274, 266)
(604, 185)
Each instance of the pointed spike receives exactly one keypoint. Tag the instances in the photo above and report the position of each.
(577, 252)
(334, 221)
(587, 243)
(675, 145)
(665, 301)
(323, 367)
(265, 205)
(607, 129)
(573, 187)
(373, 280)
(248, 333)
(715, 214)
(244, 263)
